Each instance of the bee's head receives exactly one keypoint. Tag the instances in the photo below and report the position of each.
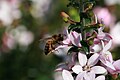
(61, 37)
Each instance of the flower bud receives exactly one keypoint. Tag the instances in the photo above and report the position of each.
(63, 14)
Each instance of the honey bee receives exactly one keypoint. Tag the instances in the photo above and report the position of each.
(52, 42)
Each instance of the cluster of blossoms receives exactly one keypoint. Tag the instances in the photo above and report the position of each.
(18, 36)
(91, 58)
(9, 10)
(86, 66)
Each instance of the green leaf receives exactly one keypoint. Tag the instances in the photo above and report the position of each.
(65, 19)
(91, 41)
(90, 28)
(93, 27)
(73, 49)
(74, 14)
(90, 14)
(85, 46)
(71, 27)
(88, 6)
(87, 21)
(74, 27)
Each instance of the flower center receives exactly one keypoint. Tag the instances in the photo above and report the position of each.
(106, 56)
(86, 68)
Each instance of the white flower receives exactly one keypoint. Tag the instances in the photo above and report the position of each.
(90, 76)
(86, 66)
(105, 56)
(25, 38)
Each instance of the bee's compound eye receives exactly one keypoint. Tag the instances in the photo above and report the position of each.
(59, 35)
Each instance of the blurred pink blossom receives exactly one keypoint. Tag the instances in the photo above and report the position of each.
(39, 7)
(25, 38)
(17, 36)
(9, 11)
(105, 15)
(115, 33)
(112, 2)
(8, 42)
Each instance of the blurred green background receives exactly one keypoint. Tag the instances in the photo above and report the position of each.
(23, 23)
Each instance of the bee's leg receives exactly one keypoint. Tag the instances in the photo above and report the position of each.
(60, 43)
(57, 51)
(53, 46)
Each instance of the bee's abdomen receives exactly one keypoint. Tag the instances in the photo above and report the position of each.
(48, 47)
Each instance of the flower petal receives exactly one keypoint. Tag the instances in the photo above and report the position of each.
(61, 67)
(107, 46)
(106, 56)
(97, 48)
(108, 64)
(67, 75)
(80, 76)
(61, 47)
(75, 38)
(101, 35)
(66, 41)
(117, 64)
(93, 59)
(82, 59)
(100, 78)
(98, 69)
(77, 69)
(89, 76)
(92, 75)
(109, 56)
(111, 71)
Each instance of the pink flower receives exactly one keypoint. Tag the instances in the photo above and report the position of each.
(103, 36)
(105, 56)
(72, 38)
(96, 47)
(75, 38)
(116, 64)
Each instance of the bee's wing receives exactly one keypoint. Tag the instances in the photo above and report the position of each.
(42, 44)
(44, 39)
